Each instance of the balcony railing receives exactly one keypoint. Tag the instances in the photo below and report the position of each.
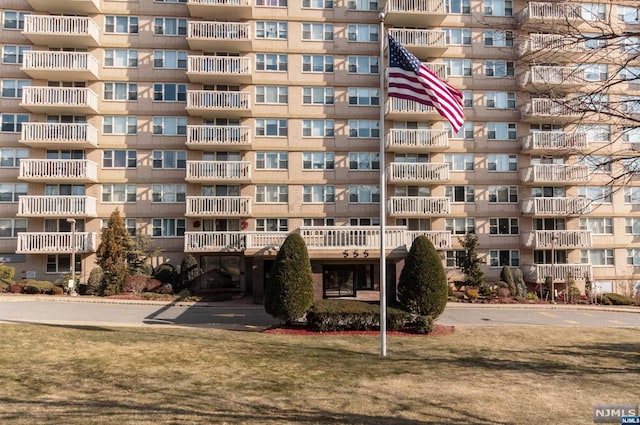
(213, 241)
(203, 102)
(401, 139)
(218, 137)
(556, 173)
(52, 99)
(418, 206)
(58, 170)
(418, 172)
(540, 12)
(414, 12)
(55, 243)
(556, 206)
(441, 239)
(558, 239)
(419, 39)
(556, 43)
(65, 30)
(228, 206)
(57, 206)
(47, 64)
(554, 141)
(554, 108)
(207, 35)
(234, 171)
(554, 76)
(560, 272)
(40, 134)
(213, 68)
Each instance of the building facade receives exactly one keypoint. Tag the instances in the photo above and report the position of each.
(217, 127)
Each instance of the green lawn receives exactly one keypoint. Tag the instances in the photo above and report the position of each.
(492, 375)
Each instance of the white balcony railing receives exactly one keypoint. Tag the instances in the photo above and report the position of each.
(414, 172)
(441, 239)
(557, 206)
(226, 65)
(558, 239)
(419, 37)
(68, 97)
(218, 205)
(52, 242)
(572, 173)
(418, 206)
(555, 140)
(558, 43)
(403, 138)
(59, 132)
(61, 25)
(60, 61)
(213, 241)
(341, 237)
(56, 206)
(543, 107)
(58, 169)
(202, 136)
(229, 31)
(219, 170)
(560, 272)
(555, 75)
(218, 100)
(550, 11)
(397, 105)
(416, 6)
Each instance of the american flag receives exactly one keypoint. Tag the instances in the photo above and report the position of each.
(410, 79)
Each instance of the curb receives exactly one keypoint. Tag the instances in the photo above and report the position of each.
(567, 307)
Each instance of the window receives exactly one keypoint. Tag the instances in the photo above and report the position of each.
(597, 225)
(497, 38)
(457, 36)
(12, 123)
(120, 91)
(500, 194)
(272, 160)
(630, 104)
(501, 100)
(359, 161)
(503, 226)
(459, 161)
(168, 227)
(13, 54)
(10, 157)
(317, 4)
(121, 24)
(13, 20)
(317, 63)
(596, 163)
(168, 193)
(632, 225)
(466, 131)
(119, 158)
(597, 194)
(118, 192)
(460, 226)
(595, 71)
(460, 193)
(458, 6)
(467, 98)
(272, 94)
(499, 68)
(169, 92)
(595, 132)
(170, 59)
(170, 1)
(633, 256)
(454, 258)
(364, 96)
(317, 32)
(272, 225)
(271, 30)
(119, 124)
(632, 195)
(271, 127)
(169, 126)
(501, 131)
(364, 194)
(363, 64)
(628, 15)
(64, 190)
(502, 162)
(169, 159)
(61, 263)
(271, 62)
(367, 33)
(271, 3)
(317, 95)
(594, 41)
(170, 26)
(317, 128)
(10, 192)
(458, 67)
(318, 160)
(630, 74)
(13, 88)
(317, 193)
(367, 5)
(364, 129)
(630, 45)
(631, 135)
(592, 11)
(121, 58)
(498, 7)
(597, 257)
(318, 222)
(10, 227)
(272, 194)
(504, 257)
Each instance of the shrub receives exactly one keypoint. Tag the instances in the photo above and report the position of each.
(487, 291)
(506, 276)
(471, 293)
(189, 272)
(504, 292)
(4, 286)
(617, 299)
(423, 324)
(140, 283)
(56, 290)
(521, 287)
(32, 286)
(7, 274)
(15, 289)
(341, 315)
(165, 273)
(449, 291)
(94, 283)
(532, 296)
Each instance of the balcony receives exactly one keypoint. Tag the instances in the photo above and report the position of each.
(61, 31)
(58, 170)
(554, 47)
(55, 243)
(57, 206)
(538, 272)
(229, 104)
(219, 206)
(408, 110)
(555, 174)
(218, 172)
(422, 43)
(418, 173)
(418, 206)
(416, 140)
(542, 14)
(414, 13)
(214, 241)
(219, 69)
(544, 110)
(219, 36)
(441, 239)
(546, 78)
(538, 142)
(59, 135)
(556, 206)
(60, 100)
(214, 9)
(440, 69)
(218, 138)
(68, 66)
(557, 239)
(80, 7)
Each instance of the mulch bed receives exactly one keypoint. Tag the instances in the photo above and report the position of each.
(438, 330)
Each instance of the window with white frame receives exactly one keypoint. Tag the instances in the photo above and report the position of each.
(13, 19)
(13, 88)
(633, 256)
(364, 129)
(502, 162)
(454, 258)
(272, 94)
(364, 194)
(10, 227)
(504, 257)
(61, 263)
(630, 104)
(12, 54)
(169, 159)
(628, 14)
(498, 8)
(364, 161)
(594, 41)
(630, 44)
(121, 24)
(271, 127)
(630, 165)
(119, 124)
(318, 194)
(364, 221)
(592, 11)
(499, 68)
(457, 36)
(501, 100)
(632, 225)
(272, 160)
(498, 38)
(630, 73)
(458, 6)
(595, 132)
(317, 63)
(503, 194)
(364, 96)
(631, 134)
(119, 158)
(365, 5)
(65, 190)
(168, 227)
(271, 29)
(597, 225)
(467, 98)
(318, 128)
(366, 33)
(120, 91)
(503, 226)
(317, 4)
(458, 67)
(272, 225)
(459, 161)
(317, 96)
(318, 160)
(170, 26)
(168, 193)
(460, 226)
(12, 123)
(595, 71)
(130, 223)
(272, 193)
(271, 3)
(501, 131)
(317, 32)
(272, 62)
(10, 192)
(170, 59)
(121, 58)
(169, 126)
(318, 222)
(632, 195)
(460, 193)
(118, 192)
(597, 257)
(596, 163)
(597, 194)
(363, 64)
(465, 132)
(169, 92)
(10, 157)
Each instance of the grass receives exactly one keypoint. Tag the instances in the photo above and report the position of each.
(491, 375)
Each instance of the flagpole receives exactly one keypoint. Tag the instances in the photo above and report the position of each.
(383, 201)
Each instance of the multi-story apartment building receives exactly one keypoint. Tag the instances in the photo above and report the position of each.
(218, 126)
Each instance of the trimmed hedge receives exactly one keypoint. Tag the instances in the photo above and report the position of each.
(617, 299)
(347, 315)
